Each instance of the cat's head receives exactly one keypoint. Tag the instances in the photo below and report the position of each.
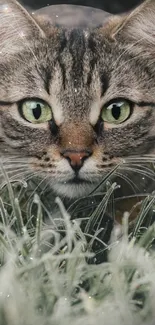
(74, 102)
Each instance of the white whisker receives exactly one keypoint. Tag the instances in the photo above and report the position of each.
(142, 167)
(45, 187)
(38, 185)
(147, 159)
(139, 171)
(128, 181)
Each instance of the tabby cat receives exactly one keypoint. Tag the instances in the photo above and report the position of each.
(76, 101)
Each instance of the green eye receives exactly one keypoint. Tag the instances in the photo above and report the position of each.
(116, 112)
(36, 111)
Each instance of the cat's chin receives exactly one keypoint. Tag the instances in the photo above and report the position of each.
(71, 190)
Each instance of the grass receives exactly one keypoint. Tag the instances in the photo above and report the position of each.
(48, 275)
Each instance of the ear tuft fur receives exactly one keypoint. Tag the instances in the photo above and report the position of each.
(139, 25)
(16, 27)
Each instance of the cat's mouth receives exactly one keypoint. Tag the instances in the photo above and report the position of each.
(78, 181)
(74, 187)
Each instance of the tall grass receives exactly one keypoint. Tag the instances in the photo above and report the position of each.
(48, 274)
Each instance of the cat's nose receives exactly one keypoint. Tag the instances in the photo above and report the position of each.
(76, 158)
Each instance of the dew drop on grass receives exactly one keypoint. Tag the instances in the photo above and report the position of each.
(24, 184)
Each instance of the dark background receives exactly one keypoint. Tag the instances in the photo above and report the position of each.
(113, 6)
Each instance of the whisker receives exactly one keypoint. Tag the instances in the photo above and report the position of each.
(20, 174)
(14, 177)
(33, 174)
(105, 179)
(139, 171)
(98, 214)
(14, 159)
(143, 167)
(11, 180)
(14, 164)
(45, 187)
(128, 181)
(38, 185)
(147, 159)
(11, 170)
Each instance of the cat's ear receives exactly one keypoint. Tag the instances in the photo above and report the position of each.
(17, 27)
(139, 25)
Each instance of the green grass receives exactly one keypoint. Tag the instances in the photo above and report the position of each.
(47, 276)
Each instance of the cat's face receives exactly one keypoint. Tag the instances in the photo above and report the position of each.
(75, 102)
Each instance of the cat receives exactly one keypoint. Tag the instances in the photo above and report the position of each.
(75, 102)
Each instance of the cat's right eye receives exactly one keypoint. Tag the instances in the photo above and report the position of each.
(35, 111)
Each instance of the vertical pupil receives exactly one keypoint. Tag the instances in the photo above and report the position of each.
(37, 111)
(116, 111)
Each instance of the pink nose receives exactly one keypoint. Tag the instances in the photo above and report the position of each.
(76, 158)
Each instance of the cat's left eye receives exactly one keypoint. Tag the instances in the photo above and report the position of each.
(35, 111)
(116, 112)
